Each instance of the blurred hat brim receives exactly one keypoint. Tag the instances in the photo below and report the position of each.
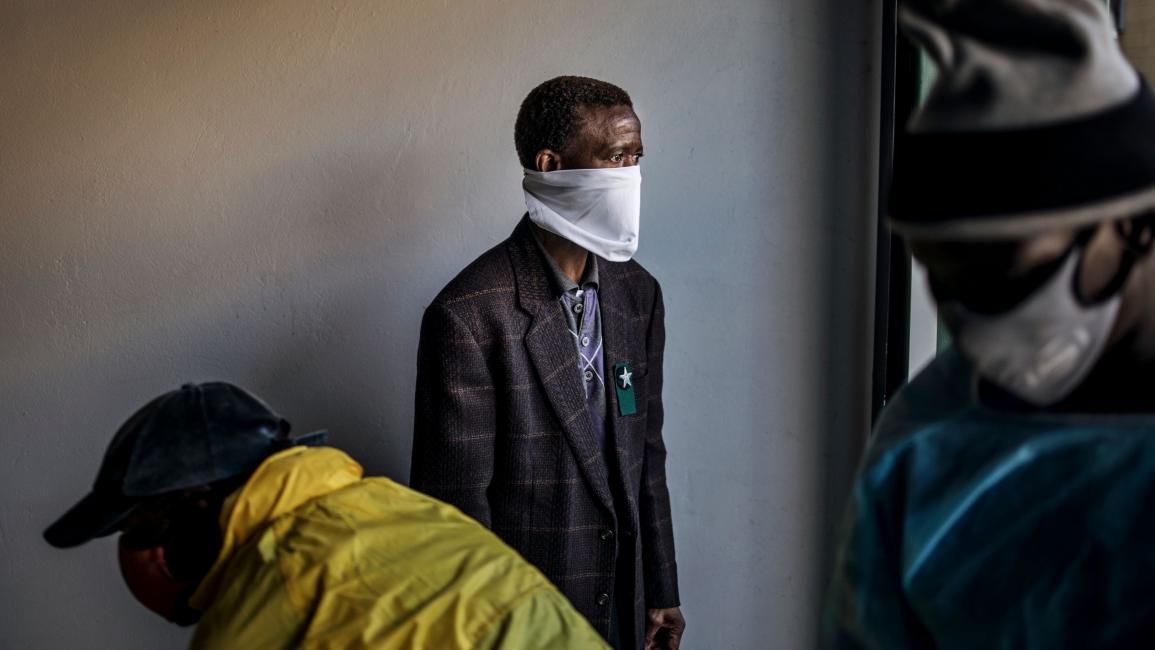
(96, 515)
(1018, 183)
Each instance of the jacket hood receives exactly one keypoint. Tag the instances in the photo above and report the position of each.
(282, 483)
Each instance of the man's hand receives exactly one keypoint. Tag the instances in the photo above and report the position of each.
(664, 629)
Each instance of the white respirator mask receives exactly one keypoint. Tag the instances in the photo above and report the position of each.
(1041, 350)
(597, 209)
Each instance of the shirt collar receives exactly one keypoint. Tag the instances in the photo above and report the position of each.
(562, 282)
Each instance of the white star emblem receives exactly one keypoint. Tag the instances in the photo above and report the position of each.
(625, 377)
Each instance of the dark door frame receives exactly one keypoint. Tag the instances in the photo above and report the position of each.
(900, 76)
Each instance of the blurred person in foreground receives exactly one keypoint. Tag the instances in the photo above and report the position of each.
(265, 543)
(1007, 498)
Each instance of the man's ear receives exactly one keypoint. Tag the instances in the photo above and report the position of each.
(547, 160)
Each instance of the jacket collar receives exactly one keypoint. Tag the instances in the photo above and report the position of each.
(529, 268)
(552, 351)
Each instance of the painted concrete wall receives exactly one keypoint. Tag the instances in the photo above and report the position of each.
(271, 192)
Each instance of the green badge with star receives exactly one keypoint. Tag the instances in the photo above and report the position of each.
(624, 383)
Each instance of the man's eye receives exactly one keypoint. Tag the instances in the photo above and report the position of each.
(616, 157)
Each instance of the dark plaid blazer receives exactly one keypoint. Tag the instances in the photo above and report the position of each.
(502, 430)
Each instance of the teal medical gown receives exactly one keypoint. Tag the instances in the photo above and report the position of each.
(975, 529)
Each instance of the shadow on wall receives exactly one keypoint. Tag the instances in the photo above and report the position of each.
(848, 233)
(308, 309)
(344, 385)
(337, 332)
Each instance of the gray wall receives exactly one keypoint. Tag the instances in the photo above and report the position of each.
(271, 192)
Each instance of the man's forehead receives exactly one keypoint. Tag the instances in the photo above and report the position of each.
(611, 120)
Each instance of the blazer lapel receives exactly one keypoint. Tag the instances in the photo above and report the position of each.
(551, 349)
(612, 298)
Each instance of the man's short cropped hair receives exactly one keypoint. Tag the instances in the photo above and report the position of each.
(551, 113)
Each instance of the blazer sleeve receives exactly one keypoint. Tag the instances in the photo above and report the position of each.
(454, 426)
(659, 565)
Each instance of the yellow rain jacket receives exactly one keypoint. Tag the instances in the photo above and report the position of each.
(315, 556)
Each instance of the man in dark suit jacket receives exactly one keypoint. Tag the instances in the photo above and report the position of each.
(539, 408)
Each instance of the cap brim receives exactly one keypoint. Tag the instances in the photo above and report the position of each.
(95, 516)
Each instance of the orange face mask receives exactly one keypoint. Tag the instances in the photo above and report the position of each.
(146, 573)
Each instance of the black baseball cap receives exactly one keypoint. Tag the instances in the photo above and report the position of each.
(196, 435)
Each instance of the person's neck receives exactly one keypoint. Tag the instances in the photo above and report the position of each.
(1124, 379)
(570, 257)
(1119, 384)
(1139, 345)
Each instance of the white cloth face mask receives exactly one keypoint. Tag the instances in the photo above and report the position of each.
(597, 209)
(1041, 350)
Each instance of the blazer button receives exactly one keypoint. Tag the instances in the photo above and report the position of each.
(603, 599)
(607, 535)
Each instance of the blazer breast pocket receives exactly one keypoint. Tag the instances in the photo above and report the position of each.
(629, 388)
